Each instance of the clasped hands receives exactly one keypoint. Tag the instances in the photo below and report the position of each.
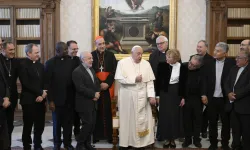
(104, 86)
(97, 96)
(138, 78)
(231, 96)
(40, 98)
(6, 102)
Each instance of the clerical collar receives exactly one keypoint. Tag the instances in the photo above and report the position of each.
(220, 61)
(175, 64)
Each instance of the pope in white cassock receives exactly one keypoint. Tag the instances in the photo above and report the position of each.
(135, 94)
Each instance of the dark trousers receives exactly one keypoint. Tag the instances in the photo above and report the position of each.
(192, 114)
(33, 114)
(77, 123)
(62, 118)
(10, 119)
(241, 127)
(217, 109)
(4, 139)
(204, 123)
(88, 119)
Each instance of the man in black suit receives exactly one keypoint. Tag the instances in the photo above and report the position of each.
(10, 66)
(32, 97)
(215, 97)
(72, 52)
(87, 93)
(237, 88)
(4, 104)
(192, 114)
(61, 93)
(202, 48)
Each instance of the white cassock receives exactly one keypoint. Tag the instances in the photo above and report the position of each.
(135, 114)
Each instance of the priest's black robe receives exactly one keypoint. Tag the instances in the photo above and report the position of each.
(103, 128)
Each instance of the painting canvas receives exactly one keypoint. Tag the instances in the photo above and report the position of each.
(125, 23)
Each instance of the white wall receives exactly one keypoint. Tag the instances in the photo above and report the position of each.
(75, 21)
(191, 26)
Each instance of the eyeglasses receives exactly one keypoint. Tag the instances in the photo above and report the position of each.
(244, 45)
(160, 43)
(238, 57)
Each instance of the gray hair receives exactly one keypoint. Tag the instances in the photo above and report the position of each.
(136, 47)
(198, 58)
(205, 42)
(163, 37)
(28, 48)
(83, 54)
(223, 45)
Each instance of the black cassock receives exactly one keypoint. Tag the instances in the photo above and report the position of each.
(105, 62)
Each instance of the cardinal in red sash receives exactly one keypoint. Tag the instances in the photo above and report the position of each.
(104, 64)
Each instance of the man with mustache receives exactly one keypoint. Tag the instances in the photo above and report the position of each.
(104, 64)
(61, 93)
(10, 65)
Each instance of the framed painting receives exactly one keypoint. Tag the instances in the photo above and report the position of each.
(125, 23)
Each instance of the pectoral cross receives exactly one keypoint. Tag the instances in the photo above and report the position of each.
(101, 68)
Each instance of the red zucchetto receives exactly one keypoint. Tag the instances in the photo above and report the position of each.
(98, 37)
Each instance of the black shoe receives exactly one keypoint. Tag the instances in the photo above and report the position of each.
(80, 147)
(110, 141)
(204, 135)
(197, 144)
(186, 143)
(70, 147)
(123, 148)
(166, 144)
(26, 148)
(89, 146)
(225, 147)
(172, 144)
(39, 148)
(211, 147)
(57, 147)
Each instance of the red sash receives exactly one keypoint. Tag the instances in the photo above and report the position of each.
(103, 76)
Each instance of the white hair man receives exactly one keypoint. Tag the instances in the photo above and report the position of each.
(135, 77)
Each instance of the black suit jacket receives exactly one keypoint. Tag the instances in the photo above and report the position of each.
(85, 89)
(210, 77)
(32, 81)
(12, 81)
(4, 92)
(58, 79)
(242, 90)
(163, 77)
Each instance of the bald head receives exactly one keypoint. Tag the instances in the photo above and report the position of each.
(86, 58)
(245, 45)
(137, 52)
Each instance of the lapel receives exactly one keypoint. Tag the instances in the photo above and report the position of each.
(87, 74)
(213, 71)
(243, 72)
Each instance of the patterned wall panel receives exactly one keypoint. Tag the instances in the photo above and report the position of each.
(191, 26)
(76, 22)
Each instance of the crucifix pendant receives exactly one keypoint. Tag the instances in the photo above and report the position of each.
(101, 68)
(9, 75)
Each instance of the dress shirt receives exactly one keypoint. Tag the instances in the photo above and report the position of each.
(218, 72)
(175, 74)
(89, 71)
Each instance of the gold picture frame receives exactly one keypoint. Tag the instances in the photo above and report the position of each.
(172, 26)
